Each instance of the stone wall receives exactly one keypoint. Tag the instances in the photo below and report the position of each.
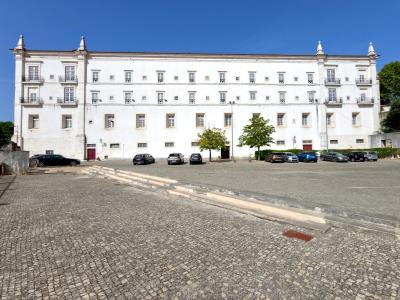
(385, 140)
(14, 162)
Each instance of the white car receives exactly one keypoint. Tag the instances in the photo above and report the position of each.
(371, 155)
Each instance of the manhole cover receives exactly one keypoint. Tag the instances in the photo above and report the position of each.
(298, 235)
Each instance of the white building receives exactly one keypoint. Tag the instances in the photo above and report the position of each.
(94, 104)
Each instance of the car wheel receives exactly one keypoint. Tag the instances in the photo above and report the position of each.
(72, 163)
(353, 159)
(41, 164)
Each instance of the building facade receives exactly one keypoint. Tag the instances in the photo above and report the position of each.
(89, 104)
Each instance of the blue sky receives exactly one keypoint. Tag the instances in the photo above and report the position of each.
(246, 26)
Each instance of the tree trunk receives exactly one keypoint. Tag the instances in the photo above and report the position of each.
(258, 153)
(210, 153)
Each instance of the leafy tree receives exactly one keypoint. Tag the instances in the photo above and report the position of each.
(212, 139)
(392, 120)
(6, 132)
(257, 133)
(389, 80)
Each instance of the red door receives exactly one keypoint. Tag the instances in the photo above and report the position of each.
(91, 154)
(307, 147)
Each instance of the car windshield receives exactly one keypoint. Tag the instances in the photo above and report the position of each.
(174, 155)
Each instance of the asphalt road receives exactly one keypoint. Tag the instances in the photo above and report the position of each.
(370, 189)
(69, 236)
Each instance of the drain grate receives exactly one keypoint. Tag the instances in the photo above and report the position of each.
(298, 235)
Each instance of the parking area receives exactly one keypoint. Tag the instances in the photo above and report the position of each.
(368, 189)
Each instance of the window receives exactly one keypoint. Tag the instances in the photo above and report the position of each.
(176, 98)
(160, 77)
(266, 78)
(252, 77)
(140, 121)
(329, 120)
(95, 76)
(222, 97)
(355, 119)
(192, 97)
(333, 142)
(221, 77)
(128, 97)
(114, 146)
(69, 73)
(195, 144)
(199, 120)
(142, 145)
(237, 78)
(95, 97)
(66, 121)
(311, 96)
(296, 79)
(192, 78)
(109, 121)
(160, 97)
(330, 74)
(282, 97)
(310, 78)
(33, 72)
(33, 122)
(207, 98)
(305, 119)
(49, 152)
(359, 141)
(207, 78)
(227, 119)
(144, 98)
(112, 77)
(169, 144)
(332, 94)
(170, 120)
(252, 95)
(51, 76)
(33, 94)
(69, 94)
(363, 96)
(128, 76)
(144, 77)
(281, 77)
(237, 98)
(267, 98)
(280, 119)
(176, 77)
(280, 142)
(111, 98)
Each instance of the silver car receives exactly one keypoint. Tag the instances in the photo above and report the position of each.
(291, 157)
(371, 155)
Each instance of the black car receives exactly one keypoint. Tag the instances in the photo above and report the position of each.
(41, 160)
(334, 156)
(195, 158)
(355, 156)
(276, 157)
(175, 159)
(143, 159)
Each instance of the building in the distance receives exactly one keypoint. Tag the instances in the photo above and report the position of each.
(89, 104)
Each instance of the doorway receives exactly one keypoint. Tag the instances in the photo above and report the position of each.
(91, 154)
(307, 147)
(225, 152)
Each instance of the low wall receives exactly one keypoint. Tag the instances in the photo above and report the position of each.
(14, 162)
(385, 140)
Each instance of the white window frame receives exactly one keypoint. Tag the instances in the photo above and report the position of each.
(140, 121)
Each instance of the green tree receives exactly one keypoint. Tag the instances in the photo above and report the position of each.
(257, 134)
(212, 139)
(389, 82)
(392, 121)
(6, 132)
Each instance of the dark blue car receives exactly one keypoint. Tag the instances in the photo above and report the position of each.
(307, 157)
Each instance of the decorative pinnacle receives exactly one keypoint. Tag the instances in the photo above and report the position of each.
(371, 50)
(21, 43)
(82, 44)
(320, 51)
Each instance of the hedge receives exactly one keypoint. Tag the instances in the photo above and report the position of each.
(382, 152)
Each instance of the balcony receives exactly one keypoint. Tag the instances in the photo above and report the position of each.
(366, 101)
(333, 101)
(32, 79)
(332, 81)
(31, 101)
(67, 102)
(68, 79)
(363, 81)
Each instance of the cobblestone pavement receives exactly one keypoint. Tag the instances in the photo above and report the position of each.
(67, 236)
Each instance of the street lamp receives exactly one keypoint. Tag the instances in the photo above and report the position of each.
(232, 144)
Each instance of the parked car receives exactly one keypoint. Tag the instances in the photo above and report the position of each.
(334, 156)
(307, 157)
(195, 158)
(41, 160)
(143, 159)
(276, 157)
(370, 155)
(355, 156)
(291, 157)
(175, 159)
